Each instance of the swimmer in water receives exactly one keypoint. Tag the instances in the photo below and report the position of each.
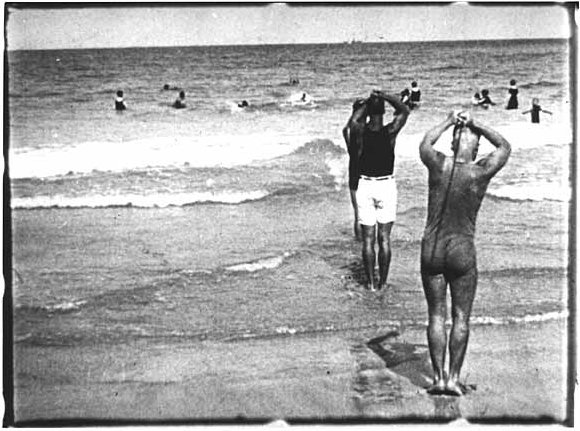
(457, 187)
(405, 96)
(485, 100)
(536, 109)
(415, 97)
(119, 102)
(475, 99)
(303, 98)
(513, 92)
(180, 102)
(243, 104)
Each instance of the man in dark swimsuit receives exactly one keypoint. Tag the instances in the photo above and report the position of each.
(353, 173)
(119, 102)
(536, 109)
(513, 92)
(457, 186)
(377, 193)
(415, 97)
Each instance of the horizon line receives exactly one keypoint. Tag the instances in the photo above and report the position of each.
(353, 42)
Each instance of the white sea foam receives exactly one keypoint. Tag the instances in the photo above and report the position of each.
(65, 306)
(538, 191)
(142, 201)
(300, 98)
(529, 318)
(338, 168)
(268, 263)
(196, 151)
(521, 136)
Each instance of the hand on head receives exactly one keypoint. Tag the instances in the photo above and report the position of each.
(358, 103)
(378, 93)
(460, 118)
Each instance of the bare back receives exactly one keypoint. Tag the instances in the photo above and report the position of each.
(456, 191)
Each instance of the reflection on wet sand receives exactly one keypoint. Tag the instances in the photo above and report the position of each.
(391, 374)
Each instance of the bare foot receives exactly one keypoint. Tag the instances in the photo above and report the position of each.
(437, 388)
(371, 287)
(454, 388)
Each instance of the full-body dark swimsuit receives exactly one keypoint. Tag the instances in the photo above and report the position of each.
(455, 196)
(536, 109)
(513, 102)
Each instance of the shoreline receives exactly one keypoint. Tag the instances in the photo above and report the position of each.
(302, 378)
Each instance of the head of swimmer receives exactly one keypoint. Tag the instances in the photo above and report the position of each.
(465, 141)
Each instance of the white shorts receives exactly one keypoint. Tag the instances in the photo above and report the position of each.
(376, 200)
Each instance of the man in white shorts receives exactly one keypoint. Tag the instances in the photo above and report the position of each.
(377, 191)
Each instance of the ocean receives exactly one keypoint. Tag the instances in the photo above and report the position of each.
(255, 201)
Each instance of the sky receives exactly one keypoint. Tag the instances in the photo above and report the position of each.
(277, 23)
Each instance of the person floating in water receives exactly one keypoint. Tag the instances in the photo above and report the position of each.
(376, 195)
(180, 101)
(406, 97)
(536, 109)
(457, 187)
(119, 102)
(303, 98)
(475, 99)
(415, 97)
(243, 104)
(513, 92)
(353, 147)
(294, 81)
(168, 87)
(485, 100)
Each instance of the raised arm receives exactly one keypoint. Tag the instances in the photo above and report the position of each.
(496, 160)
(429, 156)
(401, 110)
(359, 114)
(354, 129)
(546, 111)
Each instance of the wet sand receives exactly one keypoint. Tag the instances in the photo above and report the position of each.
(513, 369)
(326, 374)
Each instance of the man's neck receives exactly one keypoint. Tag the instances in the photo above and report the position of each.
(463, 156)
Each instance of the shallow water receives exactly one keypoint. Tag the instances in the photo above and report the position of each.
(212, 222)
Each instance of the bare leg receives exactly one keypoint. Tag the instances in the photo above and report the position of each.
(462, 295)
(384, 238)
(369, 255)
(357, 226)
(435, 287)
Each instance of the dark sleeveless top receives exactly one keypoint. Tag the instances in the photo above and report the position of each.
(536, 113)
(415, 96)
(120, 105)
(378, 153)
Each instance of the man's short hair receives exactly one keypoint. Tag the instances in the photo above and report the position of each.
(375, 105)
